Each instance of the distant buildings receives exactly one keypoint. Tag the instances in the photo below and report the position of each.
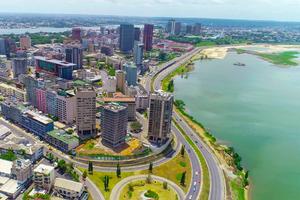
(74, 54)
(76, 34)
(86, 43)
(137, 34)
(54, 67)
(148, 36)
(177, 28)
(159, 115)
(131, 73)
(85, 102)
(197, 29)
(138, 52)
(25, 41)
(108, 51)
(2, 47)
(61, 140)
(114, 124)
(171, 27)
(126, 37)
(188, 29)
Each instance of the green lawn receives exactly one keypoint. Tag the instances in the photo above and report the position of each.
(95, 177)
(206, 179)
(282, 58)
(170, 170)
(202, 44)
(156, 187)
(238, 192)
(239, 50)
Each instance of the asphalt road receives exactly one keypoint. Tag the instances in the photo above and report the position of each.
(217, 187)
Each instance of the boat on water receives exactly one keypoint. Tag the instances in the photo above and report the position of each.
(239, 64)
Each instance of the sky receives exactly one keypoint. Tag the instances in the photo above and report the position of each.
(276, 10)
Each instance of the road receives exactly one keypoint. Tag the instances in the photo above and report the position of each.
(115, 193)
(217, 186)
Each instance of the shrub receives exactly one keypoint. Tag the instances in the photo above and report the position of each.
(129, 194)
(151, 194)
(178, 176)
(182, 164)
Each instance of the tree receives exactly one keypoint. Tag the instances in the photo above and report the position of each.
(165, 185)
(56, 159)
(51, 156)
(70, 167)
(179, 103)
(84, 175)
(118, 171)
(135, 126)
(182, 150)
(148, 179)
(182, 181)
(106, 182)
(62, 164)
(70, 131)
(171, 86)
(150, 167)
(90, 167)
(130, 187)
(162, 56)
(47, 153)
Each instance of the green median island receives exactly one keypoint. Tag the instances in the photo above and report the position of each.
(142, 189)
(282, 59)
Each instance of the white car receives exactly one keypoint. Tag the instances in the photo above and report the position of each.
(196, 173)
(195, 183)
(190, 197)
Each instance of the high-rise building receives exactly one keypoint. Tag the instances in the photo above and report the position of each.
(188, 29)
(25, 41)
(177, 28)
(148, 36)
(159, 115)
(126, 37)
(131, 73)
(85, 104)
(86, 43)
(2, 47)
(138, 49)
(31, 85)
(12, 46)
(76, 34)
(137, 34)
(51, 102)
(19, 66)
(41, 101)
(120, 77)
(74, 54)
(197, 29)
(111, 83)
(171, 27)
(103, 30)
(65, 107)
(114, 124)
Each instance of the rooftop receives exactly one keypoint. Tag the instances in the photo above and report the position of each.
(4, 130)
(114, 107)
(57, 62)
(10, 186)
(85, 88)
(44, 169)
(126, 99)
(5, 166)
(62, 136)
(67, 184)
(40, 118)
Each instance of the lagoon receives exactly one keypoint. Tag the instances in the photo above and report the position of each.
(255, 108)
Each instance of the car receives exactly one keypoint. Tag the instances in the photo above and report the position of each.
(83, 179)
(195, 183)
(196, 142)
(194, 189)
(23, 190)
(173, 111)
(180, 120)
(200, 146)
(192, 134)
(199, 170)
(189, 151)
(199, 181)
(196, 173)
(190, 197)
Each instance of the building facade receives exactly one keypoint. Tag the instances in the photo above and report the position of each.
(21, 170)
(41, 99)
(68, 189)
(128, 102)
(148, 36)
(25, 41)
(19, 66)
(76, 34)
(74, 54)
(188, 29)
(171, 26)
(120, 78)
(51, 102)
(126, 37)
(114, 124)
(138, 49)
(65, 107)
(31, 85)
(44, 176)
(131, 73)
(177, 28)
(137, 34)
(159, 115)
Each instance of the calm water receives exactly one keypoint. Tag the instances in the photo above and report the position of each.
(256, 48)
(37, 30)
(256, 109)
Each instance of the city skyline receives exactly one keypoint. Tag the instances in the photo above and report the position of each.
(224, 9)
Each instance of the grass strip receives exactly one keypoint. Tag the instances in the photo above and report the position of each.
(283, 58)
(206, 179)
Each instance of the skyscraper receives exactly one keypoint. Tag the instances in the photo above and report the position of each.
(138, 52)
(74, 55)
(76, 34)
(188, 29)
(85, 104)
(137, 33)
(126, 37)
(148, 36)
(171, 26)
(177, 28)
(25, 41)
(159, 115)
(120, 77)
(197, 29)
(19, 66)
(31, 85)
(131, 73)
(114, 124)
(2, 47)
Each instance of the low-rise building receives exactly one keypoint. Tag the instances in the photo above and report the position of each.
(4, 131)
(67, 188)
(61, 140)
(37, 123)
(44, 176)
(21, 170)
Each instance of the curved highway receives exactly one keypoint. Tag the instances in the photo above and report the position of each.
(217, 186)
